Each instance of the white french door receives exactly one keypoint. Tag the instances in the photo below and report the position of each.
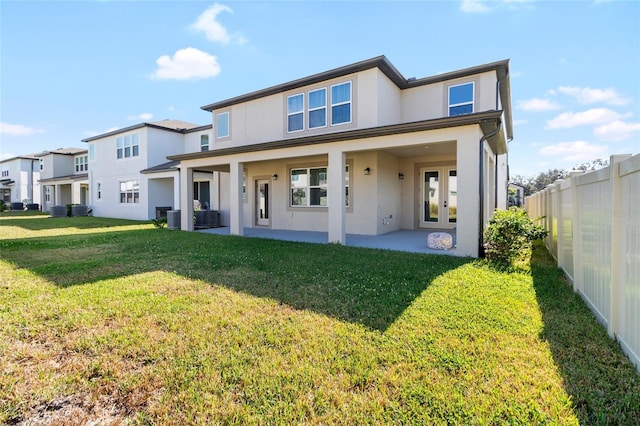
(438, 197)
(262, 203)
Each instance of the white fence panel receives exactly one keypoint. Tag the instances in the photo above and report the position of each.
(629, 261)
(593, 220)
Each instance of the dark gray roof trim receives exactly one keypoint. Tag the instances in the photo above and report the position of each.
(141, 125)
(79, 176)
(487, 120)
(380, 62)
(169, 166)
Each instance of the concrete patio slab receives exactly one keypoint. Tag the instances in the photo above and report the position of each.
(402, 240)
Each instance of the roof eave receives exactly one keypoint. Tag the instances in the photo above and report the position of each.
(416, 126)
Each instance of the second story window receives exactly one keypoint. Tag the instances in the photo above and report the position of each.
(461, 99)
(222, 125)
(5, 173)
(82, 163)
(204, 143)
(92, 151)
(295, 113)
(42, 164)
(341, 103)
(318, 108)
(127, 146)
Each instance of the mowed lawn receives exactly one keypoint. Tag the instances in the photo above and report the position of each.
(112, 321)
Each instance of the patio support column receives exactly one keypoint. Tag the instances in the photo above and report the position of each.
(235, 199)
(176, 191)
(186, 199)
(56, 195)
(336, 197)
(468, 224)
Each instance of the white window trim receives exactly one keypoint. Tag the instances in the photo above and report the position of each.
(473, 97)
(123, 147)
(347, 184)
(99, 191)
(350, 102)
(133, 192)
(92, 152)
(289, 114)
(206, 145)
(310, 110)
(218, 115)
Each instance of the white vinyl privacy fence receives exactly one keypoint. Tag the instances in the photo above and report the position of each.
(593, 221)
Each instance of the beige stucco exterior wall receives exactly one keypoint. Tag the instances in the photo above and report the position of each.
(468, 192)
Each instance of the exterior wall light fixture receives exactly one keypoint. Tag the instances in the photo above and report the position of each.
(275, 176)
(401, 176)
(367, 171)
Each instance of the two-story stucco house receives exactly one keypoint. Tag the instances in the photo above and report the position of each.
(63, 177)
(129, 172)
(19, 180)
(362, 150)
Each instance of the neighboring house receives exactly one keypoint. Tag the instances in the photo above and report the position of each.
(358, 149)
(516, 195)
(19, 180)
(129, 173)
(63, 177)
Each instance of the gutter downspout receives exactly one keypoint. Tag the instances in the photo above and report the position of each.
(31, 182)
(481, 188)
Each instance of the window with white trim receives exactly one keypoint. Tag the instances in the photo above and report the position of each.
(222, 125)
(129, 192)
(47, 193)
(127, 146)
(99, 191)
(82, 163)
(461, 99)
(318, 108)
(308, 187)
(42, 164)
(92, 151)
(295, 113)
(5, 172)
(341, 103)
(204, 143)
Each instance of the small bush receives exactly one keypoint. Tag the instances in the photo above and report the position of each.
(159, 222)
(510, 234)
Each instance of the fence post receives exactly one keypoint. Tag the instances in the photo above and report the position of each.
(577, 235)
(557, 200)
(617, 240)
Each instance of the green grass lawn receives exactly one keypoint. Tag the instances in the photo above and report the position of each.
(110, 320)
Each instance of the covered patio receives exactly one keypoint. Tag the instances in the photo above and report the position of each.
(414, 241)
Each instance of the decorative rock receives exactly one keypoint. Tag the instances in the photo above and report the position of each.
(439, 241)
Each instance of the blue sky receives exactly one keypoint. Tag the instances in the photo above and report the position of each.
(70, 70)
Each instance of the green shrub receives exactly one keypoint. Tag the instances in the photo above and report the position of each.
(159, 222)
(510, 234)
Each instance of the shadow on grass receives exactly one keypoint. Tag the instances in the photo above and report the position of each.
(36, 221)
(365, 286)
(603, 384)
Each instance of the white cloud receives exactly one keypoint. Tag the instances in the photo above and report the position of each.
(483, 6)
(588, 95)
(592, 116)
(186, 64)
(145, 116)
(18, 130)
(617, 130)
(537, 104)
(519, 122)
(473, 6)
(214, 30)
(575, 151)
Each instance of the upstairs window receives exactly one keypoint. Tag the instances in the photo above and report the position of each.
(82, 164)
(42, 164)
(295, 113)
(5, 173)
(204, 143)
(127, 146)
(222, 125)
(461, 99)
(92, 152)
(99, 191)
(318, 108)
(341, 103)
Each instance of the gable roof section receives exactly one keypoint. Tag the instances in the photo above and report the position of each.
(382, 63)
(177, 126)
(169, 166)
